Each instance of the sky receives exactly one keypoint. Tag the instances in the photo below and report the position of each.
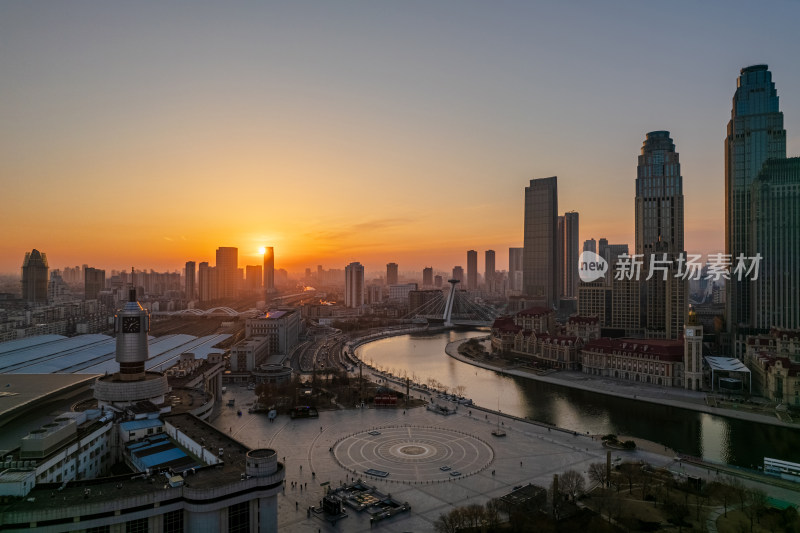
(147, 134)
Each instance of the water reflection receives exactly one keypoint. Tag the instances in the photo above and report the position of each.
(422, 356)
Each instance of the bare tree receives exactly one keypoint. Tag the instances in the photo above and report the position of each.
(598, 474)
(459, 390)
(571, 483)
(630, 471)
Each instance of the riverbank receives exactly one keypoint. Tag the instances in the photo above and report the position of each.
(681, 398)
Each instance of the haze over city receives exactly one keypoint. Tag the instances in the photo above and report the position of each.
(147, 135)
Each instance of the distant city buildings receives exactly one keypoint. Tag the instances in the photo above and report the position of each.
(189, 285)
(94, 282)
(590, 245)
(427, 277)
(34, 277)
(253, 277)
(515, 269)
(269, 269)
(354, 285)
(458, 273)
(227, 272)
(472, 270)
(540, 272)
(489, 271)
(391, 274)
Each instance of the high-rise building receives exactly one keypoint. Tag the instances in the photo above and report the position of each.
(755, 134)
(458, 273)
(472, 270)
(94, 281)
(354, 285)
(228, 274)
(659, 236)
(391, 274)
(269, 269)
(571, 253)
(540, 258)
(427, 277)
(437, 281)
(515, 269)
(775, 222)
(207, 282)
(253, 277)
(34, 277)
(190, 273)
(590, 245)
(610, 252)
(489, 270)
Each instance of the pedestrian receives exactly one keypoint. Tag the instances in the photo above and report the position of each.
(296, 505)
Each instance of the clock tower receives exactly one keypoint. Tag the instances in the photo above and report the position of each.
(131, 325)
(693, 354)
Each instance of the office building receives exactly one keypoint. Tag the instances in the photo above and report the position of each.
(427, 277)
(253, 277)
(437, 281)
(281, 328)
(515, 269)
(571, 253)
(269, 269)
(94, 281)
(659, 236)
(354, 285)
(610, 252)
(391, 274)
(755, 133)
(540, 274)
(458, 273)
(228, 275)
(189, 277)
(34, 277)
(472, 270)
(489, 271)
(207, 282)
(590, 245)
(399, 293)
(775, 225)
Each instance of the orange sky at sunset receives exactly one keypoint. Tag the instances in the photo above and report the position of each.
(147, 135)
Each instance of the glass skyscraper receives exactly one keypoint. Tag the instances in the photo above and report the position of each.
(755, 134)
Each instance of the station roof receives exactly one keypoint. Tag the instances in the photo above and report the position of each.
(728, 364)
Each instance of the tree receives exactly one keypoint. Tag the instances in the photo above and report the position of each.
(571, 483)
(448, 523)
(631, 472)
(598, 474)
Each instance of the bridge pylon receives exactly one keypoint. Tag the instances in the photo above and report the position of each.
(448, 308)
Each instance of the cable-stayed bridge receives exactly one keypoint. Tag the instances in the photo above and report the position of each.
(455, 308)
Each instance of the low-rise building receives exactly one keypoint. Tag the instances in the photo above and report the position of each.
(585, 327)
(654, 361)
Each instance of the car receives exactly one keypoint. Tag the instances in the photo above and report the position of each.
(444, 468)
(455, 473)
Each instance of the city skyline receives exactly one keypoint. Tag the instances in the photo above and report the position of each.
(205, 147)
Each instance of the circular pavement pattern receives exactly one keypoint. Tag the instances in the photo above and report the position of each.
(413, 454)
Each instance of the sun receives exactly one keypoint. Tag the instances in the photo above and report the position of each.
(262, 250)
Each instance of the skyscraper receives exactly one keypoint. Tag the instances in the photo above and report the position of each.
(515, 269)
(189, 280)
(590, 245)
(94, 281)
(253, 276)
(458, 273)
(207, 282)
(391, 273)
(228, 275)
(354, 285)
(571, 254)
(659, 235)
(755, 134)
(427, 277)
(269, 269)
(775, 216)
(489, 270)
(472, 270)
(34, 277)
(539, 257)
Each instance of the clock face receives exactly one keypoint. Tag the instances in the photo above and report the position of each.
(131, 324)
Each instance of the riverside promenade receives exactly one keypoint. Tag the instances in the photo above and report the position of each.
(673, 396)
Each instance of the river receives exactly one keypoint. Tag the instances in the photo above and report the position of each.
(715, 438)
